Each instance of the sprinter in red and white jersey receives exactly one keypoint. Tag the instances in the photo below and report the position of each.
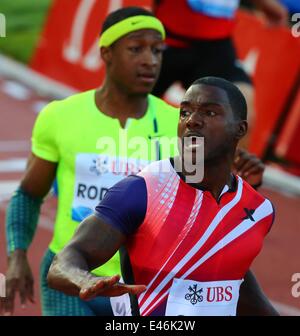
(187, 239)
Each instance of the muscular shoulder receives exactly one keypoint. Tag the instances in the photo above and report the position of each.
(64, 107)
(124, 205)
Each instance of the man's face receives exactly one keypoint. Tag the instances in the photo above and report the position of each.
(205, 112)
(135, 61)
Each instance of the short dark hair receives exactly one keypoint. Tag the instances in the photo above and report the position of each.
(236, 98)
(122, 14)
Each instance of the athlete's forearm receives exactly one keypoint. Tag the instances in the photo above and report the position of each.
(21, 220)
(92, 245)
(68, 272)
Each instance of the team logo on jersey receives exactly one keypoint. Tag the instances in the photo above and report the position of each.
(249, 213)
(116, 165)
(99, 166)
(195, 295)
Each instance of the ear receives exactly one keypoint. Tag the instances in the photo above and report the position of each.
(106, 54)
(241, 129)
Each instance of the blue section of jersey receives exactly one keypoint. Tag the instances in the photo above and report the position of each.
(292, 5)
(215, 8)
(80, 213)
(124, 205)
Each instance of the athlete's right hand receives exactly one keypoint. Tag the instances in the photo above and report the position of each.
(18, 279)
(107, 286)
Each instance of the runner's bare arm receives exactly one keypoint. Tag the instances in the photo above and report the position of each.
(252, 300)
(38, 177)
(93, 244)
(36, 183)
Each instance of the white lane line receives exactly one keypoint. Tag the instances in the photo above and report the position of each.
(15, 90)
(39, 105)
(13, 165)
(46, 223)
(285, 309)
(282, 181)
(7, 188)
(39, 83)
(7, 146)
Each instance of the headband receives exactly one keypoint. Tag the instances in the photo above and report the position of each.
(129, 25)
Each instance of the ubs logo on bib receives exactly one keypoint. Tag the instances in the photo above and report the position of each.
(194, 294)
(210, 294)
(205, 298)
(219, 294)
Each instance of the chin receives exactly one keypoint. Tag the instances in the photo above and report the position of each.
(143, 90)
(213, 156)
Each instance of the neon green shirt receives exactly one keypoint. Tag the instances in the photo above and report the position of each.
(76, 135)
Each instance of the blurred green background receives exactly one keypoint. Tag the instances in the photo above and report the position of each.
(24, 22)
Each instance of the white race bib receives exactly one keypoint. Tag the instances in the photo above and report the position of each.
(121, 305)
(193, 298)
(94, 175)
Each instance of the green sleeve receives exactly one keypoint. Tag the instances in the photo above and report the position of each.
(21, 220)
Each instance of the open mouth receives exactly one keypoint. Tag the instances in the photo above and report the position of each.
(193, 142)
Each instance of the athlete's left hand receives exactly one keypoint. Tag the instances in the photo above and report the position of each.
(107, 286)
(249, 167)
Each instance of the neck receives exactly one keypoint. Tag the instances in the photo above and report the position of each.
(216, 174)
(116, 103)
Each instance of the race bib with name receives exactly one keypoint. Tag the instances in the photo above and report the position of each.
(94, 175)
(193, 298)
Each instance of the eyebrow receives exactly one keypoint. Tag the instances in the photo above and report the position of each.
(205, 104)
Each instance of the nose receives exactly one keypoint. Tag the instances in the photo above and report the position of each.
(195, 120)
(150, 58)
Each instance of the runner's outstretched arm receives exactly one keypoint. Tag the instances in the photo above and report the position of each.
(93, 244)
(21, 222)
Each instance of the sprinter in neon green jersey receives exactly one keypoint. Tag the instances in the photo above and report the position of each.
(68, 142)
